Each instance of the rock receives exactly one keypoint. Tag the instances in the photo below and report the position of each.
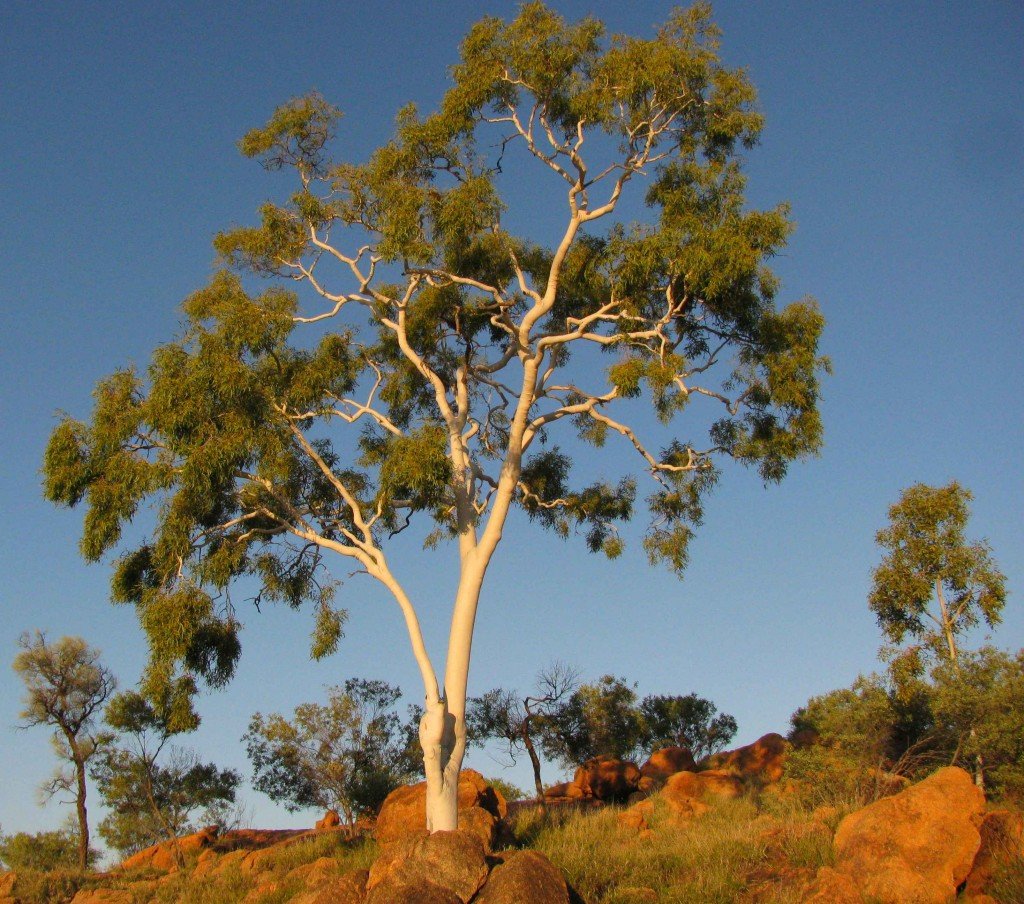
(701, 785)
(1002, 841)
(606, 778)
(331, 820)
(347, 889)
(451, 860)
(665, 762)
(481, 823)
(103, 896)
(831, 887)
(404, 893)
(261, 890)
(762, 761)
(162, 857)
(564, 791)
(404, 810)
(916, 846)
(525, 876)
(7, 883)
(637, 818)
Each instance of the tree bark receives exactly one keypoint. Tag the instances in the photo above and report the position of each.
(83, 816)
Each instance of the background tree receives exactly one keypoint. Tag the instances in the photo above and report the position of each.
(518, 721)
(346, 755)
(66, 685)
(44, 851)
(979, 706)
(933, 584)
(685, 721)
(436, 362)
(153, 790)
(599, 718)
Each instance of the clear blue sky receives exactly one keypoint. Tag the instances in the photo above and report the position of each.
(896, 132)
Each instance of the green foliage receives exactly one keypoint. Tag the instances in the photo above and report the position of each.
(685, 721)
(980, 708)
(448, 355)
(932, 585)
(599, 718)
(43, 851)
(346, 755)
(151, 795)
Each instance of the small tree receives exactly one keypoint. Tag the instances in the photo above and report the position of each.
(979, 705)
(151, 789)
(504, 715)
(66, 686)
(346, 755)
(599, 718)
(44, 851)
(443, 350)
(689, 721)
(932, 585)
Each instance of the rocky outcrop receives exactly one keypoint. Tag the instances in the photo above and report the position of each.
(347, 889)
(331, 820)
(916, 847)
(668, 761)
(607, 778)
(762, 761)
(403, 812)
(453, 861)
(702, 785)
(525, 876)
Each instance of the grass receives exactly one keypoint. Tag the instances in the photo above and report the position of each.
(716, 859)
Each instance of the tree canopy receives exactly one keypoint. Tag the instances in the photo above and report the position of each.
(933, 584)
(66, 684)
(438, 349)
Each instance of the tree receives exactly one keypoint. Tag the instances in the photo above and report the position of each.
(431, 361)
(979, 705)
(599, 718)
(66, 685)
(502, 714)
(346, 755)
(932, 585)
(44, 851)
(152, 790)
(689, 721)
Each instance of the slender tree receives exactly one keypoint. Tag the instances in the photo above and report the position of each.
(933, 584)
(436, 350)
(522, 721)
(66, 686)
(346, 754)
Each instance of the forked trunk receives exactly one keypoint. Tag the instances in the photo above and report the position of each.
(442, 760)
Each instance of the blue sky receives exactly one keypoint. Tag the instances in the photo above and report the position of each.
(895, 131)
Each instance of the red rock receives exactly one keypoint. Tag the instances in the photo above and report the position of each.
(526, 876)
(916, 846)
(1002, 841)
(701, 785)
(393, 892)
(831, 887)
(451, 860)
(347, 889)
(564, 791)
(763, 760)
(404, 811)
(331, 820)
(606, 778)
(668, 761)
(103, 896)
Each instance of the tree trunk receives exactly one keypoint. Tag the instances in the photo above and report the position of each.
(442, 760)
(83, 816)
(535, 762)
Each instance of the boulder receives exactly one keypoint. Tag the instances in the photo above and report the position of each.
(761, 761)
(452, 860)
(701, 785)
(424, 892)
(347, 889)
(564, 791)
(916, 846)
(1002, 842)
(162, 856)
(481, 823)
(832, 887)
(404, 810)
(103, 896)
(331, 820)
(607, 778)
(525, 876)
(665, 762)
